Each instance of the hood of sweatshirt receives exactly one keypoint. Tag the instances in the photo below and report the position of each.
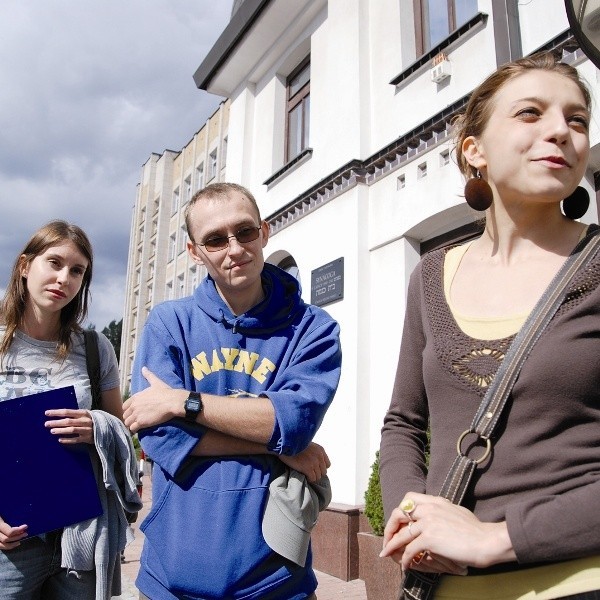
(277, 310)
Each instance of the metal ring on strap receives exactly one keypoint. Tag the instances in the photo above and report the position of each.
(488, 446)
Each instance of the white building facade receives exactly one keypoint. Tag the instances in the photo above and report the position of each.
(339, 123)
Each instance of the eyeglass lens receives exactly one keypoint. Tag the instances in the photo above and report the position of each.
(243, 236)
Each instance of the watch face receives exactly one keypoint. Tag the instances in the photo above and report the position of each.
(192, 404)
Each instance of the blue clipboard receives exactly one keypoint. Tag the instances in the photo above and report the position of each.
(45, 484)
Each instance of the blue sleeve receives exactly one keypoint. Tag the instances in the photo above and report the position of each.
(170, 443)
(303, 391)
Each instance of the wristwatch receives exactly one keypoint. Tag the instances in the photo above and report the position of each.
(193, 406)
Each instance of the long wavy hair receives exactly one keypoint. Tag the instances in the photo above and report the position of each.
(12, 309)
(481, 103)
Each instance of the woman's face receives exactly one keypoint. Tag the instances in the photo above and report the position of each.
(535, 146)
(55, 277)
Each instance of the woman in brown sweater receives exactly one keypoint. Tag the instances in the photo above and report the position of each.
(530, 524)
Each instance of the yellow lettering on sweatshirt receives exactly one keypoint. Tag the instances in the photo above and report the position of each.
(200, 366)
(232, 359)
(261, 372)
(230, 355)
(246, 362)
(217, 363)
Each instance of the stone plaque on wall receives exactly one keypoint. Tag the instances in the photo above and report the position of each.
(327, 283)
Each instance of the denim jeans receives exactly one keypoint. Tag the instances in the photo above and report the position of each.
(32, 571)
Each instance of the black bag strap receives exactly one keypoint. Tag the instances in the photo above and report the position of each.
(417, 585)
(92, 361)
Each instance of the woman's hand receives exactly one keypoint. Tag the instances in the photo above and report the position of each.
(312, 462)
(154, 405)
(77, 424)
(10, 537)
(438, 536)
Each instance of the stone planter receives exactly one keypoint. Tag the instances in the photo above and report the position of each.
(334, 543)
(382, 576)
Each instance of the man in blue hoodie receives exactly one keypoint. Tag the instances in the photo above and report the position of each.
(230, 386)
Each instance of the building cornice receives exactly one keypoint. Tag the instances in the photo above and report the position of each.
(241, 22)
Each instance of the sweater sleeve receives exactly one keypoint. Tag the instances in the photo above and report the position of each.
(170, 443)
(556, 528)
(404, 433)
(303, 391)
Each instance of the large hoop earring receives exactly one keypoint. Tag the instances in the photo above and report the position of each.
(576, 205)
(478, 193)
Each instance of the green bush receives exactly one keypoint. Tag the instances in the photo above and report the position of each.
(136, 446)
(373, 501)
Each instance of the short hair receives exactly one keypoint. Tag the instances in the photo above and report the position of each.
(217, 191)
(480, 105)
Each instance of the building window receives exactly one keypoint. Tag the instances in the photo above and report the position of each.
(298, 111)
(188, 189)
(192, 279)
(444, 158)
(175, 202)
(435, 20)
(212, 164)
(422, 170)
(401, 182)
(171, 247)
(200, 176)
(170, 290)
(180, 286)
(182, 239)
(224, 153)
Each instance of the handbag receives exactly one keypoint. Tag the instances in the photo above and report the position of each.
(92, 361)
(418, 585)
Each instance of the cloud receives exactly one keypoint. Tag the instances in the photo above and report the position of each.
(89, 91)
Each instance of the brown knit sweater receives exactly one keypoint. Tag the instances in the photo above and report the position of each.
(543, 476)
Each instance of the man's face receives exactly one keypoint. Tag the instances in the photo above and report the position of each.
(236, 269)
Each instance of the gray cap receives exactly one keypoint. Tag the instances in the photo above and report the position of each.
(291, 512)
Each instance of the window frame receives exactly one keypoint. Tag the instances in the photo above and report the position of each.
(213, 164)
(300, 97)
(421, 24)
(200, 176)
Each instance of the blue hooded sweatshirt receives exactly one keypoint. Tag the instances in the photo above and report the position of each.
(203, 537)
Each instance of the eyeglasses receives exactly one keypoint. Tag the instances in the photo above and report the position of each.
(220, 242)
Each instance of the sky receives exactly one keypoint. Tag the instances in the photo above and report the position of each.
(88, 91)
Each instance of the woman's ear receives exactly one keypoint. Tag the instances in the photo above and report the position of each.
(194, 254)
(24, 266)
(473, 152)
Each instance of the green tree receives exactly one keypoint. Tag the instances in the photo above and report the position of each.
(113, 333)
(373, 501)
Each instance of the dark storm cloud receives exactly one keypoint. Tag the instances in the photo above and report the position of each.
(88, 91)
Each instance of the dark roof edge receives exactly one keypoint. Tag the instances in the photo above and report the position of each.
(240, 23)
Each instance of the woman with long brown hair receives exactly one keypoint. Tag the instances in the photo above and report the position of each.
(42, 347)
(528, 523)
